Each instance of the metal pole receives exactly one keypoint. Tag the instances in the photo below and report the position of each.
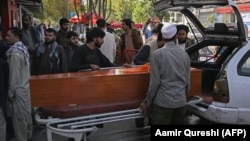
(20, 16)
(67, 7)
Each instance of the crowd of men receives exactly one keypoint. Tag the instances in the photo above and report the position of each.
(24, 52)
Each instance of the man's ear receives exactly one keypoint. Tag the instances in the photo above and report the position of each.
(17, 38)
(94, 38)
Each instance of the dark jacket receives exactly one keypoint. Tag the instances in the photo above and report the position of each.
(35, 36)
(4, 82)
(43, 61)
(84, 56)
(137, 40)
(3, 48)
(69, 54)
(61, 38)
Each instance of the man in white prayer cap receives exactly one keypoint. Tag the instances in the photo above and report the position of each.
(169, 82)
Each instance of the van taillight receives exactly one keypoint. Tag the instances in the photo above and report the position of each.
(221, 91)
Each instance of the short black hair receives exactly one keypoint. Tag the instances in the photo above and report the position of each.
(158, 30)
(71, 34)
(182, 27)
(63, 21)
(128, 22)
(51, 30)
(16, 31)
(94, 33)
(101, 23)
(26, 15)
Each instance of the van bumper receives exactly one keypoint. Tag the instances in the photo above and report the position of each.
(212, 112)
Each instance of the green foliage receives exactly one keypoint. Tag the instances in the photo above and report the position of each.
(53, 10)
(142, 11)
(211, 18)
(137, 10)
(119, 32)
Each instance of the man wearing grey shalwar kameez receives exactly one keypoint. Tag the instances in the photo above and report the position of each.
(19, 104)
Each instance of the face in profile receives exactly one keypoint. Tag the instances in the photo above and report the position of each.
(124, 26)
(98, 42)
(11, 38)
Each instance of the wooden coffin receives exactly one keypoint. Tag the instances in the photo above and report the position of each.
(195, 80)
(95, 91)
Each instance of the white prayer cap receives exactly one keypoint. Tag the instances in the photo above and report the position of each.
(168, 30)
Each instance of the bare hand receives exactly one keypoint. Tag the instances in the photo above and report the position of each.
(143, 109)
(94, 67)
(126, 65)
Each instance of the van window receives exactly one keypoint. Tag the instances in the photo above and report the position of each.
(244, 65)
(211, 53)
(206, 54)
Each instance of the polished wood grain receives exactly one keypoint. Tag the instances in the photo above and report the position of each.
(195, 80)
(97, 87)
(92, 87)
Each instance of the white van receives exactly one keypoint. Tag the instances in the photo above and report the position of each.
(225, 73)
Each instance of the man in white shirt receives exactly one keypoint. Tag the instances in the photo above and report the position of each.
(108, 48)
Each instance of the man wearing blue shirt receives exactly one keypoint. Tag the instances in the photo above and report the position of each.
(149, 26)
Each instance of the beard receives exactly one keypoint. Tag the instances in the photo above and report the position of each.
(25, 26)
(73, 44)
(182, 41)
(48, 42)
(98, 45)
(65, 29)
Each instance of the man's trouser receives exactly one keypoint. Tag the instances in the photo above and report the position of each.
(2, 125)
(165, 116)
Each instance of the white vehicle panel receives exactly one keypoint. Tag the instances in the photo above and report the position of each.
(238, 85)
(223, 75)
(216, 114)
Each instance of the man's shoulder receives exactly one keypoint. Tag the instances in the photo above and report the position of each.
(34, 28)
(82, 47)
(59, 32)
(158, 51)
(110, 35)
(190, 42)
(60, 46)
(16, 55)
